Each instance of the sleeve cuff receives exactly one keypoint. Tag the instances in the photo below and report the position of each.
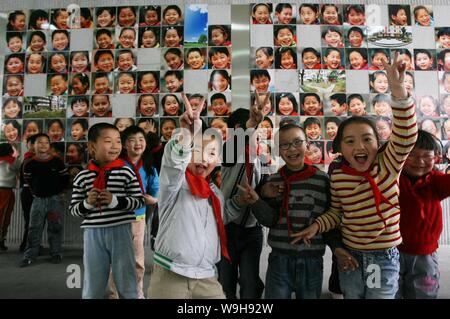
(87, 205)
(403, 102)
(114, 202)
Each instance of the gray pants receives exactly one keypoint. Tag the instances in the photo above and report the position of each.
(50, 209)
(419, 276)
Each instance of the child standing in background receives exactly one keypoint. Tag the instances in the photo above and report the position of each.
(422, 188)
(47, 178)
(9, 169)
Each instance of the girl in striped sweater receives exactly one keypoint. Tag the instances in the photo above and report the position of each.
(364, 196)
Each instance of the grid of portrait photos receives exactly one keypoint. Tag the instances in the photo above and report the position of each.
(124, 65)
(323, 63)
(129, 64)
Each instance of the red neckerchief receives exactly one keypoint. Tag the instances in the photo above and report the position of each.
(379, 198)
(288, 180)
(8, 158)
(199, 186)
(28, 155)
(100, 181)
(136, 169)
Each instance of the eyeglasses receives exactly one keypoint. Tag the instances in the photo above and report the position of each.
(296, 144)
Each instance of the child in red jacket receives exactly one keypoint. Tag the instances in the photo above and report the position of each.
(422, 188)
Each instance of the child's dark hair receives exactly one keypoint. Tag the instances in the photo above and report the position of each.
(423, 51)
(179, 30)
(34, 16)
(78, 99)
(10, 35)
(32, 139)
(52, 121)
(19, 56)
(141, 75)
(355, 96)
(198, 50)
(223, 28)
(403, 51)
(172, 7)
(110, 10)
(419, 8)
(311, 50)
(124, 51)
(286, 127)
(355, 29)
(65, 32)
(174, 51)
(339, 97)
(374, 52)
(103, 31)
(12, 17)
(279, 53)
(218, 96)
(55, 13)
(304, 96)
(223, 73)
(379, 98)
(176, 73)
(331, 29)
(38, 135)
(313, 7)
(96, 129)
(84, 79)
(443, 31)
(330, 49)
(255, 74)
(100, 52)
(291, 98)
(147, 156)
(38, 33)
(334, 120)
(6, 149)
(268, 51)
(155, 31)
(363, 53)
(238, 118)
(12, 100)
(278, 28)
(355, 7)
(125, 29)
(427, 141)
(310, 121)
(353, 120)
(267, 5)
(82, 122)
(395, 8)
(324, 6)
(144, 10)
(168, 119)
(163, 100)
(86, 13)
(217, 50)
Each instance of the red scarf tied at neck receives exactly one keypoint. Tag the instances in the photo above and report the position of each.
(100, 181)
(199, 187)
(304, 174)
(8, 158)
(379, 198)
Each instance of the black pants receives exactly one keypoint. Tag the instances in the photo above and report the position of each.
(333, 282)
(244, 248)
(26, 199)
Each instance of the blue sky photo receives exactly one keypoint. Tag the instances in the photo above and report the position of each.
(196, 22)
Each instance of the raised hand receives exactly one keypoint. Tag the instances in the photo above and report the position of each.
(249, 196)
(396, 75)
(190, 119)
(256, 115)
(306, 234)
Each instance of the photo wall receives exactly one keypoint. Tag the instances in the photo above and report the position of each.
(67, 69)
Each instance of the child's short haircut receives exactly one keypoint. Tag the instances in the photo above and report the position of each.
(288, 125)
(217, 50)
(52, 121)
(38, 135)
(338, 97)
(96, 130)
(374, 52)
(82, 122)
(311, 50)
(35, 15)
(124, 51)
(38, 33)
(278, 28)
(424, 51)
(6, 149)
(103, 31)
(334, 120)
(443, 32)
(218, 96)
(355, 96)
(358, 8)
(172, 7)
(79, 99)
(174, 51)
(32, 139)
(427, 141)
(110, 10)
(304, 96)
(331, 29)
(355, 29)
(404, 51)
(10, 35)
(177, 74)
(329, 50)
(98, 75)
(256, 74)
(238, 117)
(100, 52)
(313, 7)
(60, 31)
(86, 13)
(310, 121)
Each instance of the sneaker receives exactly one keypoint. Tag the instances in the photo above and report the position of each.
(56, 259)
(25, 262)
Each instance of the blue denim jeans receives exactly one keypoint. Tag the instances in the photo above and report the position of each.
(244, 248)
(108, 248)
(419, 276)
(375, 278)
(50, 209)
(287, 274)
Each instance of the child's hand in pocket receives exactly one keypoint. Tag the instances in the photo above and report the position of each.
(345, 260)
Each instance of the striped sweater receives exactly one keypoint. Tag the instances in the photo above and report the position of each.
(352, 200)
(127, 197)
(308, 199)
